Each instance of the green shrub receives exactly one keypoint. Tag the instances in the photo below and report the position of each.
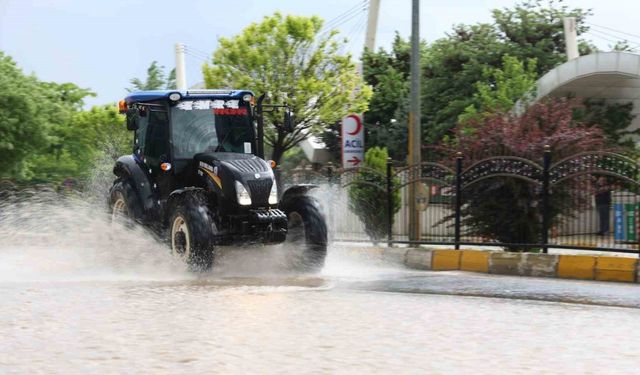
(368, 195)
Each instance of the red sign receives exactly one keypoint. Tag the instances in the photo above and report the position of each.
(230, 111)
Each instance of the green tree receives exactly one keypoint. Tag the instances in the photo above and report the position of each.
(453, 65)
(368, 196)
(388, 74)
(529, 30)
(156, 79)
(533, 29)
(23, 123)
(501, 88)
(31, 114)
(292, 60)
(78, 143)
(45, 136)
(469, 59)
(613, 118)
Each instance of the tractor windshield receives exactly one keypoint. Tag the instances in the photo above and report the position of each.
(211, 126)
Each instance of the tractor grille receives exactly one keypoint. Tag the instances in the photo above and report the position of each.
(259, 190)
(249, 165)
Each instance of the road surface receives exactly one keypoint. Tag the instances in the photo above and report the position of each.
(76, 308)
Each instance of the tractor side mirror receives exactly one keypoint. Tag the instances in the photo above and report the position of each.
(132, 119)
(288, 121)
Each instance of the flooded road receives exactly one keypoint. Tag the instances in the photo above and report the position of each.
(77, 298)
(354, 317)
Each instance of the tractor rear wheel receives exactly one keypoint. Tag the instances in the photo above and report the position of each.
(191, 231)
(306, 234)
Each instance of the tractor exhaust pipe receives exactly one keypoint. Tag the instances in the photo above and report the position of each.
(260, 135)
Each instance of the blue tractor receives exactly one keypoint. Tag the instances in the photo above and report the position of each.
(198, 176)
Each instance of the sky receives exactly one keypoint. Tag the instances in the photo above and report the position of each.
(101, 45)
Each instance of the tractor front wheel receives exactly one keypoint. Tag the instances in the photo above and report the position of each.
(191, 231)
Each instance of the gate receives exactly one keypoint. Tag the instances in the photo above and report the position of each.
(588, 201)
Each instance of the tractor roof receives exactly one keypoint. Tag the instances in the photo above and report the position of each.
(145, 96)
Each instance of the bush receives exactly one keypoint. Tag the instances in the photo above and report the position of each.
(368, 196)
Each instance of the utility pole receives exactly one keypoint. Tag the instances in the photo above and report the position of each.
(415, 135)
(571, 38)
(181, 73)
(372, 25)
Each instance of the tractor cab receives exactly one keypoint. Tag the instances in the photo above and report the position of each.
(172, 127)
(181, 137)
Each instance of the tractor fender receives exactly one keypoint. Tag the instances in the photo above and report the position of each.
(295, 191)
(128, 168)
(175, 196)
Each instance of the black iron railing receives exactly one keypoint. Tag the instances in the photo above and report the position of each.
(540, 206)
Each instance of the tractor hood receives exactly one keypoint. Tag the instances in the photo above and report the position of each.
(224, 168)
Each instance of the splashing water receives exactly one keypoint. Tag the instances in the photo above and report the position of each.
(50, 237)
(45, 236)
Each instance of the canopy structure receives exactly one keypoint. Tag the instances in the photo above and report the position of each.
(611, 76)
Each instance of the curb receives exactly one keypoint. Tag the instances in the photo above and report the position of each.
(582, 267)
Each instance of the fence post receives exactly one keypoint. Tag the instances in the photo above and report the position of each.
(329, 173)
(545, 198)
(458, 200)
(389, 205)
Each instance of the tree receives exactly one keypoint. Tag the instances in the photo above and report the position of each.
(468, 59)
(23, 123)
(501, 88)
(368, 196)
(156, 79)
(388, 74)
(453, 66)
(534, 29)
(506, 209)
(78, 143)
(46, 136)
(32, 113)
(613, 118)
(292, 60)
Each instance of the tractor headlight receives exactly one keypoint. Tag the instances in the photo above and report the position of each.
(273, 195)
(244, 199)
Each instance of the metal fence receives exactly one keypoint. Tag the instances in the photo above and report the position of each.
(587, 201)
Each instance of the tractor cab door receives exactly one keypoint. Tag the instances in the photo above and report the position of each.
(153, 142)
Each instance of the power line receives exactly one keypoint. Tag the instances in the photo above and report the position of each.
(196, 54)
(352, 17)
(613, 41)
(337, 20)
(618, 38)
(614, 30)
(601, 37)
(193, 49)
(353, 14)
(607, 37)
(334, 22)
(355, 30)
